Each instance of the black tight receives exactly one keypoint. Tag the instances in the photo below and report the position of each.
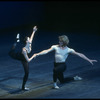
(19, 56)
(58, 70)
(26, 70)
(58, 76)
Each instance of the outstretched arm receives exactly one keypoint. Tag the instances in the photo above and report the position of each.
(34, 55)
(84, 57)
(44, 51)
(32, 35)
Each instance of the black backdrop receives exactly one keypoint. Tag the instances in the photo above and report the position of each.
(59, 16)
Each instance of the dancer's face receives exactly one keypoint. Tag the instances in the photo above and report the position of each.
(60, 43)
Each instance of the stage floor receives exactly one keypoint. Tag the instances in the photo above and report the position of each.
(40, 75)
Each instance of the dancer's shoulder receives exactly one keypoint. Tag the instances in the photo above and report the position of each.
(53, 46)
(70, 49)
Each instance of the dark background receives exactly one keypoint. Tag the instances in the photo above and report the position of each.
(73, 16)
(79, 20)
(63, 16)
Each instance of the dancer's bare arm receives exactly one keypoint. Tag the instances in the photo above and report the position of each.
(34, 55)
(32, 35)
(44, 51)
(83, 57)
(26, 56)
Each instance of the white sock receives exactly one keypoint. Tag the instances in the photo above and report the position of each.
(17, 36)
(18, 40)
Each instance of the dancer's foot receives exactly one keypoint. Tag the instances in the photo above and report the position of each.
(18, 37)
(56, 87)
(25, 89)
(77, 78)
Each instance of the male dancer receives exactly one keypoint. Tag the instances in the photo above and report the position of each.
(61, 53)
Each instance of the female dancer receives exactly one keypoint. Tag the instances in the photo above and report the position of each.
(61, 53)
(23, 56)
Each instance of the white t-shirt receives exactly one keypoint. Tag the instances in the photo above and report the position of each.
(61, 54)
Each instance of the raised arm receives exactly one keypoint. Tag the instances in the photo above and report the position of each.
(32, 35)
(84, 57)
